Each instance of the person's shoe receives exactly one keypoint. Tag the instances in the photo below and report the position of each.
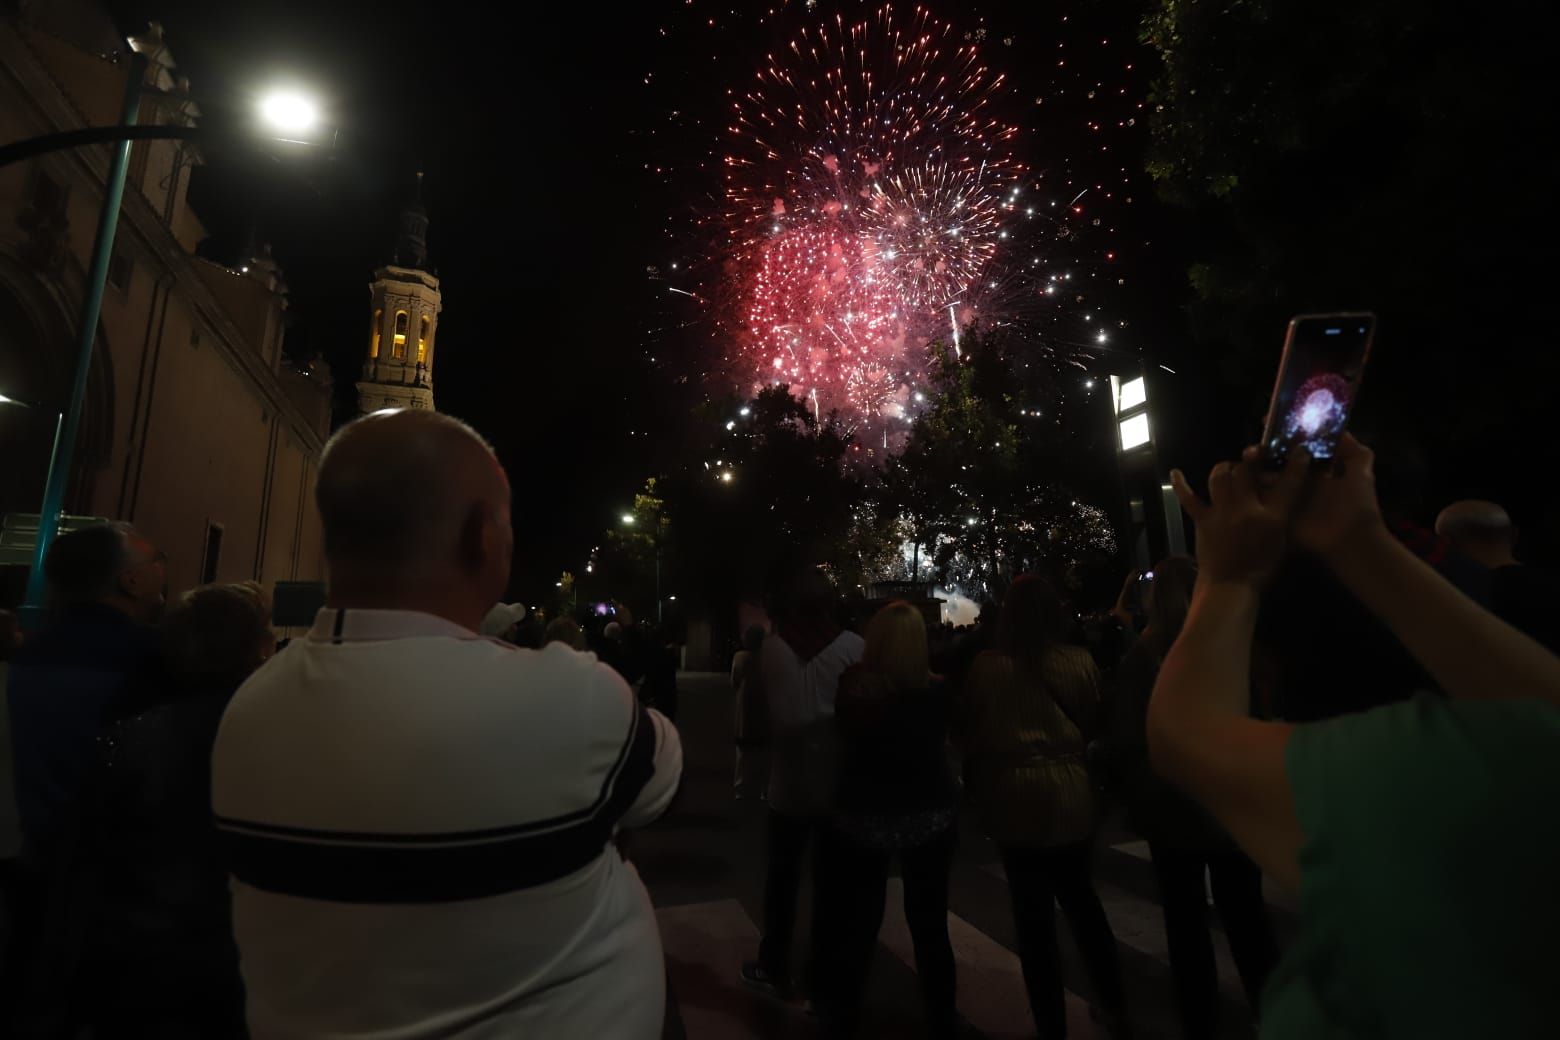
(757, 976)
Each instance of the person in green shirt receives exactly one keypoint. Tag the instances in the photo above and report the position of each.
(1423, 836)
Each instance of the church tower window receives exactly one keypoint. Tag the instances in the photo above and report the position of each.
(398, 344)
(379, 324)
(424, 334)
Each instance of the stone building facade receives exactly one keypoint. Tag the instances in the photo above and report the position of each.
(196, 428)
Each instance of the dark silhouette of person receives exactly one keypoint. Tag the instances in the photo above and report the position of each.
(1185, 843)
(160, 955)
(1520, 595)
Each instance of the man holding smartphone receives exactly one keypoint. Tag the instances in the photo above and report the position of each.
(1421, 835)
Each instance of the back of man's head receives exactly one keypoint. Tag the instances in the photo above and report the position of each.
(215, 636)
(83, 566)
(414, 507)
(1480, 529)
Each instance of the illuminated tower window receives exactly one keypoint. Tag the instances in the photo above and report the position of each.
(398, 344)
(424, 334)
(379, 324)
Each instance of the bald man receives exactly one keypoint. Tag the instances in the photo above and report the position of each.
(1521, 596)
(420, 819)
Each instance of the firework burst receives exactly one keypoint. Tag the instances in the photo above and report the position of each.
(875, 195)
(867, 181)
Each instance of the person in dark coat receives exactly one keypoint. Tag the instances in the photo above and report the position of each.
(895, 797)
(160, 957)
(94, 662)
(1185, 843)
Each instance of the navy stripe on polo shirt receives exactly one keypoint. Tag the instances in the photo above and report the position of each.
(357, 867)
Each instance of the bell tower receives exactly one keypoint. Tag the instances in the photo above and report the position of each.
(404, 304)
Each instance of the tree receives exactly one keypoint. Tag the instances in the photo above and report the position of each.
(631, 566)
(987, 485)
(760, 487)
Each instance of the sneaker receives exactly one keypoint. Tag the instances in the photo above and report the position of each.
(758, 976)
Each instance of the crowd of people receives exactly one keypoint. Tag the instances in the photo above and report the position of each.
(1185, 708)
(408, 821)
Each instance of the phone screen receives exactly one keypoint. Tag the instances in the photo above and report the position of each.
(1318, 380)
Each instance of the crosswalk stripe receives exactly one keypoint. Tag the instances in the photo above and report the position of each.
(991, 982)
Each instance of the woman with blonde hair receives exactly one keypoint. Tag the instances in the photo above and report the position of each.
(895, 796)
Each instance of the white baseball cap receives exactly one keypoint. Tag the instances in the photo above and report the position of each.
(498, 620)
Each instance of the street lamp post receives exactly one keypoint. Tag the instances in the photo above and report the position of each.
(97, 276)
(1137, 456)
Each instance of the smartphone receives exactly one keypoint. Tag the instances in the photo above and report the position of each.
(1318, 381)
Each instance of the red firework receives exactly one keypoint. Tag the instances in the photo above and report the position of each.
(867, 180)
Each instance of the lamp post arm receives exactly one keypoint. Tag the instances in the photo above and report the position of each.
(124, 132)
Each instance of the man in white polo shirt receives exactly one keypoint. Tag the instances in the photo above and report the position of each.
(420, 820)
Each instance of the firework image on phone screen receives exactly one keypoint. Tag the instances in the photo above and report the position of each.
(1318, 382)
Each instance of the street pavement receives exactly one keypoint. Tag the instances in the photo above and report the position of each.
(703, 863)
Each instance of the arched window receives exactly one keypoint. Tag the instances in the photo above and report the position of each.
(398, 344)
(379, 325)
(424, 336)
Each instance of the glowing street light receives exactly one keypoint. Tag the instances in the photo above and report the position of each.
(1131, 399)
(289, 112)
(628, 518)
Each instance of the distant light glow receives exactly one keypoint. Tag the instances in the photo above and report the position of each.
(289, 112)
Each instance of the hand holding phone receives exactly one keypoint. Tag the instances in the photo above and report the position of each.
(1318, 381)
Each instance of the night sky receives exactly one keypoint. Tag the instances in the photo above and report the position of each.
(564, 155)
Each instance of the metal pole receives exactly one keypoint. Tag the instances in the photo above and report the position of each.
(35, 146)
(97, 275)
